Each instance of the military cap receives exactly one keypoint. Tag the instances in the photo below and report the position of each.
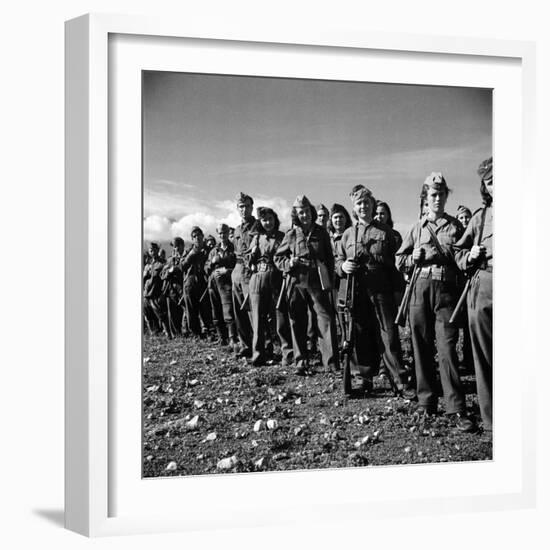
(177, 241)
(485, 170)
(241, 198)
(301, 202)
(463, 210)
(210, 238)
(338, 209)
(321, 206)
(360, 192)
(436, 179)
(154, 244)
(196, 229)
(221, 227)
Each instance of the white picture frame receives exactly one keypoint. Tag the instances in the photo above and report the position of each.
(96, 399)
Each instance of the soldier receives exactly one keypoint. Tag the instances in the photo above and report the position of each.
(265, 287)
(154, 306)
(305, 256)
(241, 274)
(209, 243)
(219, 267)
(172, 290)
(474, 251)
(428, 246)
(367, 251)
(194, 285)
(231, 233)
(322, 216)
(463, 215)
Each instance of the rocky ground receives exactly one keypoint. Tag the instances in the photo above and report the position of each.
(207, 412)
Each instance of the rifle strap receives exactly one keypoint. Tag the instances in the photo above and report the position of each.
(480, 236)
(435, 240)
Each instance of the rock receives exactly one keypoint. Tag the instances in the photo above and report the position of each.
(260, 463)
(272, 424)
(193, 382)
(173, 362)
(298, 401)
(172, 467)
(365, 440)
(280, 456)
(146, 359)
(412, 429)
(210, 357)
(254, 443)
(193, 423)
(271, 391)
(258, 425)
(198, 404)
(211, 436)
(227, 463)
(298, 430)
(152, 388)
(323, 420)
(149, 458)
(407, 449)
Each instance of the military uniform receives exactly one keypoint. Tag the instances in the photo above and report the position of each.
(240, 278)
(480, 307)
(374, 311)
(264, 287)
(219, 267)
(194, 285)
(432, 303)
(172, 276)
(154, 306)
(304, 287)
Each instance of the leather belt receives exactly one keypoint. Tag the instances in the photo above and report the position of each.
(264, 266)
(438, 273)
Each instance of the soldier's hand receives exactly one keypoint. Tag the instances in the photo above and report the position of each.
(476, 252)
(349, 266)
(418, 255)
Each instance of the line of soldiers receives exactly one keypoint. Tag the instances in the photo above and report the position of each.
(260, 290)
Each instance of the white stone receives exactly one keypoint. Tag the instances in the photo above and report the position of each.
(227, 463)
(172, 466)
(258, 425)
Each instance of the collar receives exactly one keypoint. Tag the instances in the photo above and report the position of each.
(439, 222)
(247, 224)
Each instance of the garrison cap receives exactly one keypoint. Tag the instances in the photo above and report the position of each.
(221, 227)
(485, 170)
(436, 180)
(196, 229)
(154, 244)
(360, 192)
(338, 209)
(177, 241)
(210, 238)
(241, 198)
(301, 202)
(321, 206)
(263, 211)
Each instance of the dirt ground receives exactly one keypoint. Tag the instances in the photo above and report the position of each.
(205, 412)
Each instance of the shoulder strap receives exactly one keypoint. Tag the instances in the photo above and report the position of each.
(435, 240)
(480, 236)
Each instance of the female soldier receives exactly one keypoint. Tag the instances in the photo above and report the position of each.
(367, 251)
(428, 246)
(219, 266)
(305, 256)
(264, 288)
(474, 251)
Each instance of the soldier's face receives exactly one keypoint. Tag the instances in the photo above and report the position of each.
(153, 252)
(223, 235)
(304, 215)
(179, 248)
(381, 214)
(245, 209)
(322, 217)
(464, 218)
(338, 221)
(437, 199)
(363, 208)
(198, 239)
(268, 223)
(489, 185)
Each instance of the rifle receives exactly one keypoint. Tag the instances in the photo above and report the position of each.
(401, 317)
(347, 307)
(244, 305)
(468, 284)
(282, 294)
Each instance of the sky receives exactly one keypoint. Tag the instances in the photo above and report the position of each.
(208, 137)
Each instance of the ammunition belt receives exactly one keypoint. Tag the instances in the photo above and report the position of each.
(438, 273)
(264, 266)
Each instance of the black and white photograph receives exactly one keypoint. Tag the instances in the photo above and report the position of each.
(317, 274)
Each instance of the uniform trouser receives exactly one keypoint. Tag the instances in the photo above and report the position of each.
(480, 316)
(298, 300)
(432, 304)
(264, 290)
(195, 308)
(175, 315)
(155, 308)
(375, 333)
(243, 319)
(222, 307)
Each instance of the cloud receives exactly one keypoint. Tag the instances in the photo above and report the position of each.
(164, 228)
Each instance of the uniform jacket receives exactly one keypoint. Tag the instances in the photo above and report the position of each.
(192, 264)
(312, 248)
(219, 257)
(152, 283)
(262, 248)
(172, 275)
(448, 231)
(375, 252)
(241, 238)
(471, 237)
